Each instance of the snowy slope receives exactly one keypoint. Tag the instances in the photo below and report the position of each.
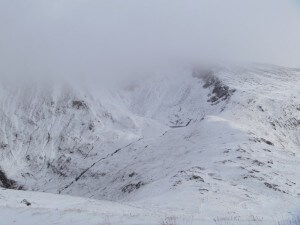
(218, 141)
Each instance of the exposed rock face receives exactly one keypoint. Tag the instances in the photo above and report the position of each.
(219, 90)
(6, 182)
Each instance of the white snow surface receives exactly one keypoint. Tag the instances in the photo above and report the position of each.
(196, 146)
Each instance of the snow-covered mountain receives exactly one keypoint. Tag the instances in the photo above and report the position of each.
(211, 143)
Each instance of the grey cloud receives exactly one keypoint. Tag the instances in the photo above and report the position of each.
(76, 37)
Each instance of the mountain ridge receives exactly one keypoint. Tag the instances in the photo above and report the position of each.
(187, 140)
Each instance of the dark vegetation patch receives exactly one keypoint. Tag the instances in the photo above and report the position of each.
(241, 150)
(273, 125)
(79, 104)
(253, 171)
(251, 176)
(131, 187)
(267, 142)
(192, 174)
(262, 140)
(132, 174)
(226, 151)
(27, 203)
(290, 123)
(293, 122)
(3, 145)
(261, 108)
(203, 189)
(257, 162)
(227, 160)
(91, 126)
(196, 178)
(274, 187)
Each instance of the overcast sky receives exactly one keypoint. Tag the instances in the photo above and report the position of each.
(93, 36)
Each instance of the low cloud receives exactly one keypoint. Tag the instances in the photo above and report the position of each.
(89, 37)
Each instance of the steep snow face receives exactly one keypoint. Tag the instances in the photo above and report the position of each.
(223, 140)
(48, 130)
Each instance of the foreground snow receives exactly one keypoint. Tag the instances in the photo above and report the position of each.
(33, 208)
(29, 208)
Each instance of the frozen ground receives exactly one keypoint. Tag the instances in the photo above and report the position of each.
(216, 146)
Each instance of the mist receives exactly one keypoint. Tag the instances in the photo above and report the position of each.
(94, 38)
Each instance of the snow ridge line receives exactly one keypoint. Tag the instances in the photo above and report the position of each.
(99, 160)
